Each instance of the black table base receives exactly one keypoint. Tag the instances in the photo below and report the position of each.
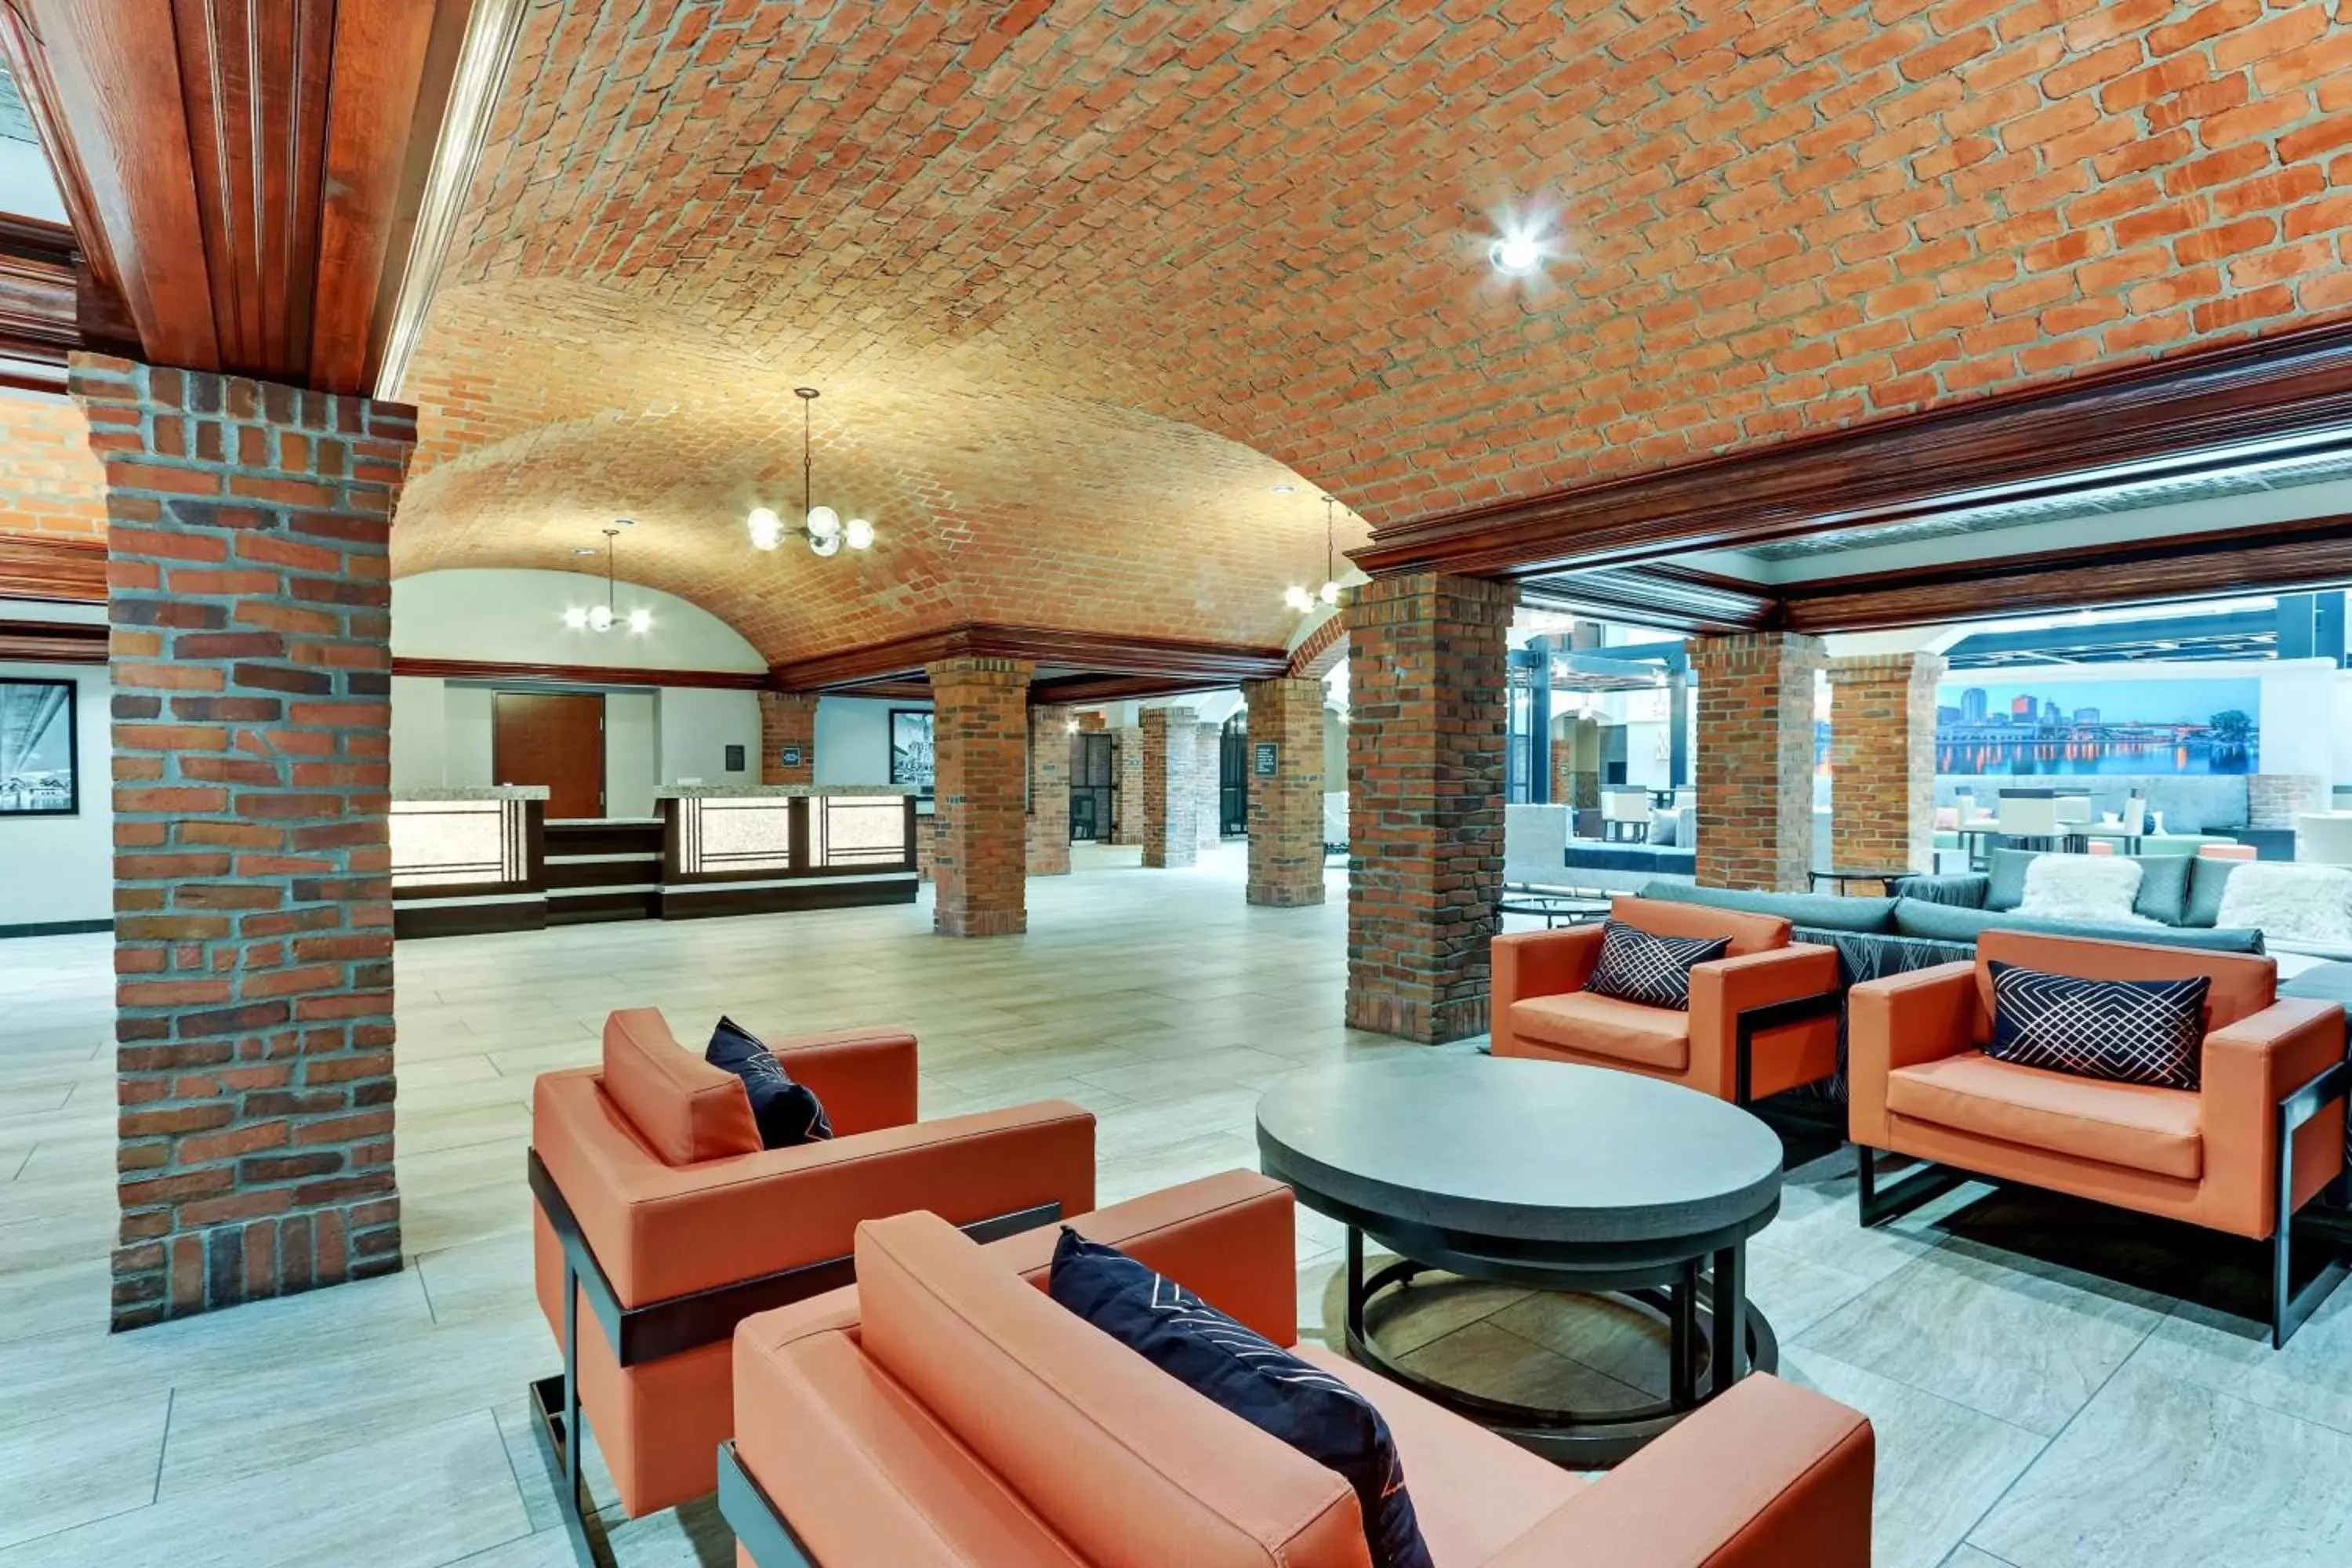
(1687, 1300)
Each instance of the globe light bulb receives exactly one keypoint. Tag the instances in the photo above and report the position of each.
(1297, 598)
(860, 534)
(1328, 593)
(640, 622)
(824, 522)
(824, 544)
(767, 528)
(576, 618)
(600, 618)
(1517, 253)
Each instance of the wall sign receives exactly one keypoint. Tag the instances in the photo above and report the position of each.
(1266, 758)
(789, 756)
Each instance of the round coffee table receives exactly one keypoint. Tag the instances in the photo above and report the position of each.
(1548, 1175)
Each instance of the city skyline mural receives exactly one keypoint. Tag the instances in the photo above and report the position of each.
(2198, 725)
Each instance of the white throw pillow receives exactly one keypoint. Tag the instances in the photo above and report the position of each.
(2290, 901)
(2100, 888)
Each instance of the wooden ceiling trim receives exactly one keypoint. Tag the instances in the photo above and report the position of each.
(576, 674)
(2288, 391)
(39, 318)
(71, 571)
(1193, 666)
(52, 642)
(1656, 596)
(29, 67)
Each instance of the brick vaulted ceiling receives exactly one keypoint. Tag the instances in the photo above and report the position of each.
(1083, 279)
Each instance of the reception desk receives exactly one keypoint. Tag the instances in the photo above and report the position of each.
(487, 859)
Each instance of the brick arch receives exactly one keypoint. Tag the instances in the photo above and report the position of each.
(1138, 240)
(1321, 651)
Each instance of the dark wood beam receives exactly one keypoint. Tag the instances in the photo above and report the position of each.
(2283, 557)
(251, 181)
(576, 674)
(2192, 413)
(71, 570)
(1193, 666)
(51, 642)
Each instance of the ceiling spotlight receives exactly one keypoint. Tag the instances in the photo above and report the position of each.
(1517, 254)
(624, 522)
(860, 534)
(587, 550)
(767, 528)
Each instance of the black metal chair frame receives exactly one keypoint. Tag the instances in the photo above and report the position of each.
(2323, 1220)
(659, 1329)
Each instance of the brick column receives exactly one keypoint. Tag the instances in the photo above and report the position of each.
(1425, 740)
(1127, 826)
(1050, 739)
(980, 727)
(2275, 800)
(1168, 750)
(787, 720)
(248, 593)
(1883, 761)
(1209, 785)
(1755, 763)
(1285, 811)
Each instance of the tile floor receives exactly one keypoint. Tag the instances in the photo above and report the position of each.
(2028, 1414)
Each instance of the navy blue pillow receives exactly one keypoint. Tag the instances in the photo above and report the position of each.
(2121, 1031)
(788, 1113)
(1250, 1376)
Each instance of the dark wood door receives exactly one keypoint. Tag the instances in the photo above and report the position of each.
(540, 738)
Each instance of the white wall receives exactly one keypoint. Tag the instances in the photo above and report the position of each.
(2298, 702)
(55, 869)
(420, 728)
(694, 727)
(633, 750)
(517, 617)
(853, 739)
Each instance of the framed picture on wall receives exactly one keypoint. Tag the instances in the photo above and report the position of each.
(39, 771)
(911, 758)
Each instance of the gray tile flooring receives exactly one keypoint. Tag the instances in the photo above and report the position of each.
(2028, 1414)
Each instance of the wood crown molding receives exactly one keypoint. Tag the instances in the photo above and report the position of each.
(575, 674)
(52, 642)
(2287, 393)
(70, 570)
(1192, 666)
(246, 180)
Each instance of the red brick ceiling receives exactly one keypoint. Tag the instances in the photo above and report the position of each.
(1083, 280)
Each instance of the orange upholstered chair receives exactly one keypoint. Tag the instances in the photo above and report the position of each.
(947, 1410)
(1762, 1019)
(656, 1200)
(2227, 851)
(1919, 1083)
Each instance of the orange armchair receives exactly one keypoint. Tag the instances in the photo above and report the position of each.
(661, 1222)
(946, 1411)
(2261, 1137)
(1763, 1018)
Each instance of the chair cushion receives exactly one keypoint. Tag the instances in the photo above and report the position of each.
(1654, 971)
(788, 1113)
(1475, 1493)
(1750, 931)
(1821, 912)
(2208, 881)
(1248, 1374)
(2127, 1124)
(2005, 886)
(2163, 887)
(686, 1109)
(2121, 1031)
(1657, 1037)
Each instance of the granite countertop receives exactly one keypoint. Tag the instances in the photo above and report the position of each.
(471, 791)
(750, 791)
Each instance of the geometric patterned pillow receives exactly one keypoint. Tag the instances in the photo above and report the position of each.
(1654, 971)
(2123, 1031)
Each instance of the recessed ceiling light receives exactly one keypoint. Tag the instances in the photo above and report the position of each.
(1283, 489)
(1516, 253)
(585, 550)
(624, 522)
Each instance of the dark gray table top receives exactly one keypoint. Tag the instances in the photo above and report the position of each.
(1525, 1150)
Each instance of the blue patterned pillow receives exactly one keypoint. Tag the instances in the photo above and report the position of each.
(1250, 1376)
(788, 1113)
(2121, 1031)
(1654, 971)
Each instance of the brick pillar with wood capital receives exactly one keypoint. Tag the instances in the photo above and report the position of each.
(1209, 786)
(981, 742)
(1425, 747)
(1755, 759)
(1286, 809)
(1883, 761)
(1168, 749)
(248, 596)
(787, 726)
(1052, 733)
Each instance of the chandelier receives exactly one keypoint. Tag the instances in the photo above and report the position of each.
(821, 525)
(602, 618)
(1295, 595)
